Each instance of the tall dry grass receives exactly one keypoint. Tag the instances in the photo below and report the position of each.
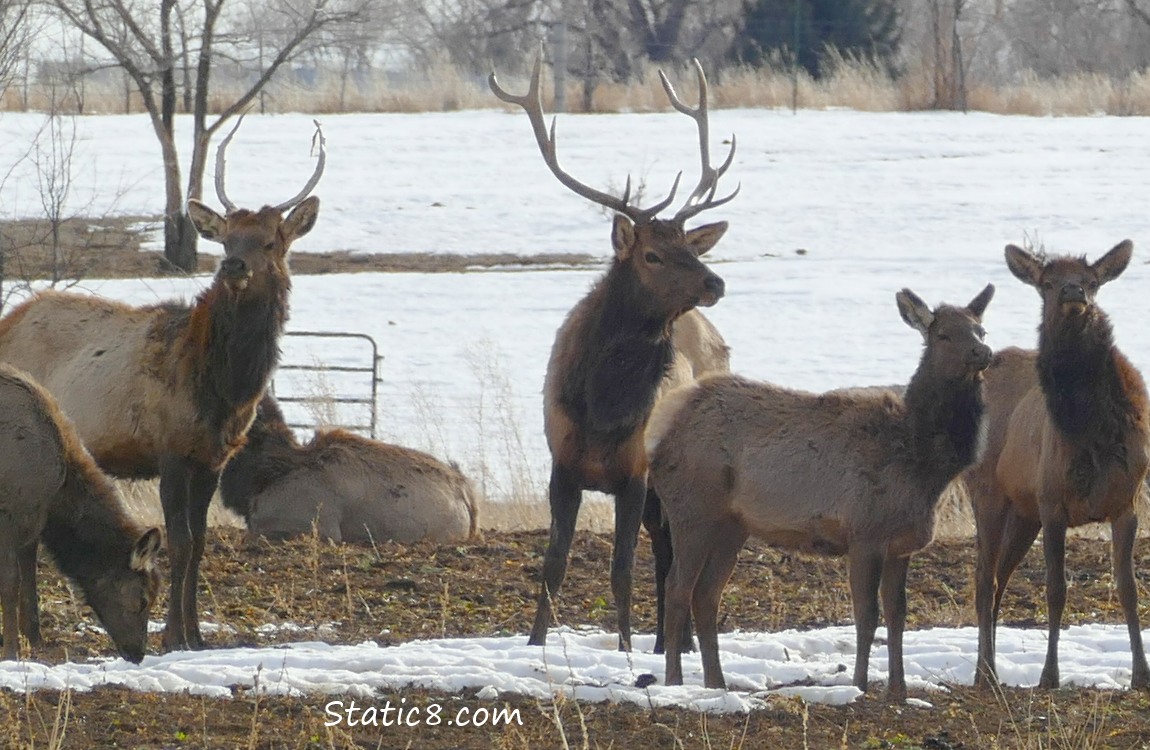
(852, 84)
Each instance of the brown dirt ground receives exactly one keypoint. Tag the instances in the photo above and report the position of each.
(395, 593)
(110, 248)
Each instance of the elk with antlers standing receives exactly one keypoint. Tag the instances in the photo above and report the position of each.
(171, 389)
(615, 349)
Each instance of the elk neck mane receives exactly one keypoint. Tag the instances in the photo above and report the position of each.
(1091, 391)
(229, 347)
(624, 355)
(947, 425)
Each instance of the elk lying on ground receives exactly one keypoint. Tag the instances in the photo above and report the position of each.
(1067, 446)
(613, 351)
(52, 491)
(171, 389)
(345, 487)
(847, 472)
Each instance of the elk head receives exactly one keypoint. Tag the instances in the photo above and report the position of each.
(256, 243)
(662, 255)
(122, 596)
(953, 335)
(1067, 285)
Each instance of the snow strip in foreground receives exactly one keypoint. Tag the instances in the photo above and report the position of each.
(585, 665)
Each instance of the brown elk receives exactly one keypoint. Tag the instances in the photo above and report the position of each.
(170, 389)
(344, 486)
(52, 491)
(613, 351)
(1067, 446)
(851, 472)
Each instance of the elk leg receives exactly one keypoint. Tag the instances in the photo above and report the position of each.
(990, 528)
(9, 596)
(174, 499)
(682, 579)
(865, 572)
(29, 608)
(565, 495)
(725, 545)
(628, 517)
(202, 483)
(661, 548)
(1054, 550)
(1122, 533)
(1015, 540)
(894, 612)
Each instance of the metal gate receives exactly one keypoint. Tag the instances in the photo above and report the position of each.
(369, 373)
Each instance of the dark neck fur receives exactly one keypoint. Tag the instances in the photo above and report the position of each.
(87, 532)
(242, 347)
(945, 420)
(1076, 370)
(268, 456)
(624, 356)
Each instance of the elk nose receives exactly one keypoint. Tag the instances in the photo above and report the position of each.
(715, 285)
(233, 267)
(1072, 293)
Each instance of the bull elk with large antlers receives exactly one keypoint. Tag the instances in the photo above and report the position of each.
(613, 352)
(1069, 427)
(171, 389)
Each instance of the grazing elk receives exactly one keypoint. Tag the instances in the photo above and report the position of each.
(851, 472)
(614, 350)
(345, 487)
(171, 389)
(1067, 446)
(52, 491)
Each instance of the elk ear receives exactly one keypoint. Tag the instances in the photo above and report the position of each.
(701, 239)
(622, 236)
(301, 219)
(1111, 265)
(207, 222)
(146, 548)
(1024, 265)
(914, 311)
(979, 303)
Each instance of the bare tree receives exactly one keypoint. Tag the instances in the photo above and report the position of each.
(18, 26)
(149, 45)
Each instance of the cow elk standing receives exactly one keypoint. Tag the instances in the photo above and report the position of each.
(854, 472)
(51, 491)
(1067, 446)
(614, 350)
(171, 389)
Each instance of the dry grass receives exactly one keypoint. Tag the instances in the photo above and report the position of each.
(851, 84)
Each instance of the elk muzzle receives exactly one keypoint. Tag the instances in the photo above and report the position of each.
(980, 356)
(235, 273)
(1072, 297)
(713, 290)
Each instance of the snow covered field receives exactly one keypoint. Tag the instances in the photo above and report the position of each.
(877, 202)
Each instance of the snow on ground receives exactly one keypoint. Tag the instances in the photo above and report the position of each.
(584, 664)
(878, 202)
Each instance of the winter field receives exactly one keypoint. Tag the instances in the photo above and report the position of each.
(838, 211)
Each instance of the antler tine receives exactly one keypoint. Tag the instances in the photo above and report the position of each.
(703, 196)
(532, 104)
(221, 192)
(318, 173)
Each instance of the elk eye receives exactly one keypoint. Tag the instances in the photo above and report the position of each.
(652, 259)
(269, 246)
(943, 337)
(1047, 285)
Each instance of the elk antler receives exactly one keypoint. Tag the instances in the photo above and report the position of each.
(703, 196)
(221, 193)
(221, 165)
(532, 104)
(311, 183)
